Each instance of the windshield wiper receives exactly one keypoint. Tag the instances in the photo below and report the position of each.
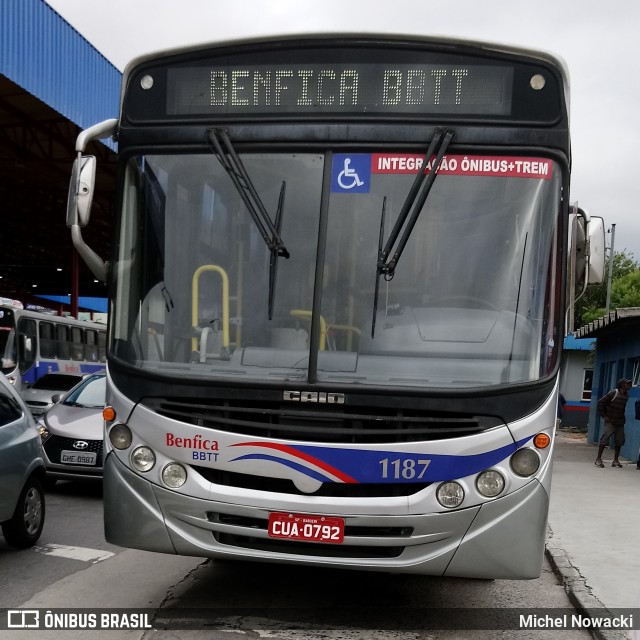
(269, 229)
(408, 216)
(273, 260)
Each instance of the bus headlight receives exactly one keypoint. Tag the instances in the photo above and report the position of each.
(450, 494)
(143, 459)
(490, 483)
(120, 436)
(174, 475)
(525, 462)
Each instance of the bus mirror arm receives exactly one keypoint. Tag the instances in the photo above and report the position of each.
(100, 131)
(98, 266)
(81, 190)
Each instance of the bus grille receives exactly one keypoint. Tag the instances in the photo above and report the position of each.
(310, 548)
(327, 489)
(327, 423)
(307, 548)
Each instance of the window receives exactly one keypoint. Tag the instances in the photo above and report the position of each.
(587, 382)
(47, 340)
(27, 343)
(91, 347)
(77, 344)
(9, 409)
(102, 346)
(636, 373)
(62, 342)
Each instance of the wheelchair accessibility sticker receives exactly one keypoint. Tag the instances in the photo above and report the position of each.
(351, 173)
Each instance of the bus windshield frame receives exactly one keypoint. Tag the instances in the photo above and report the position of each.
(206, 312)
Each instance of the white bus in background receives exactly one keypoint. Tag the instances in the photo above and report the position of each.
(33, 343)
(323, 350)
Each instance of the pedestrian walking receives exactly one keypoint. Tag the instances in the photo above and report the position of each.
(612, 408)
(561, 403)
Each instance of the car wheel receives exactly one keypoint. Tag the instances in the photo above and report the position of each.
(25, 527)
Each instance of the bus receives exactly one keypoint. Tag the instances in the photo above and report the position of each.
(338, 292)
(33, 343)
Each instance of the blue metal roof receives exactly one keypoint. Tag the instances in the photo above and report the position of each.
(48, 58)
(578, 344)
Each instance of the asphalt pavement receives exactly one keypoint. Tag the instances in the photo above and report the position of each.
(594, 528)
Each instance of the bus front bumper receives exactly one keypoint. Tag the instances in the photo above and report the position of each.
(500, 539)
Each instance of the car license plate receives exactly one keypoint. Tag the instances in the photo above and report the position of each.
(78, 457)
(309, 528)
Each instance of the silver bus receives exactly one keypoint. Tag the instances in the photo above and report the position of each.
(338, 297)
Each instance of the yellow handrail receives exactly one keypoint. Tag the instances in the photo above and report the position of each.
(303, 313)
(225, 302)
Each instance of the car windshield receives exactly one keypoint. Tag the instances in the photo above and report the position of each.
(473, 301)
(56, 382)
(91, 393)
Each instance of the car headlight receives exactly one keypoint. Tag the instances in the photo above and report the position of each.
(490, 483)
(143, 459)
(450, 494)
(42, 430)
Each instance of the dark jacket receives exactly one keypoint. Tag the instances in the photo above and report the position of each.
(612, 407)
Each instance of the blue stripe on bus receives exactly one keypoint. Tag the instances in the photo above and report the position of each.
(370, 466)
(287, 463)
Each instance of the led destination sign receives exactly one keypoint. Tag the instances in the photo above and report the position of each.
(340, 88)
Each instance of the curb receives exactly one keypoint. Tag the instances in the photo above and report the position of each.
(577, 589)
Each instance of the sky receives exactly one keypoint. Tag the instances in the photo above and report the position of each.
(597, 40)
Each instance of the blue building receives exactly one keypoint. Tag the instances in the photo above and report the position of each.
(53, 83)
(617, 356)
(576, 379)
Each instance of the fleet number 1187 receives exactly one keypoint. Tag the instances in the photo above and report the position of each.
(404, 468)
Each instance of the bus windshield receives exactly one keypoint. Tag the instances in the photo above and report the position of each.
(473, 301)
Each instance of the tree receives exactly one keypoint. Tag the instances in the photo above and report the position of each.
(625, 290)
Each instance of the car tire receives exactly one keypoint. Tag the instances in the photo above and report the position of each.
(25, 527)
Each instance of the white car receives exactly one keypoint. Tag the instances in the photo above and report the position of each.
(39, 395)
(22, 471)
(72, 432)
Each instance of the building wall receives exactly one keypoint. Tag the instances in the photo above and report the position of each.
(575, 412)
(617, 356)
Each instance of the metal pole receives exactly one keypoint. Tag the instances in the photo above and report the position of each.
(611, 255)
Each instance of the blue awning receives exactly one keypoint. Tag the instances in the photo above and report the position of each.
(572, 343)
(101, 305)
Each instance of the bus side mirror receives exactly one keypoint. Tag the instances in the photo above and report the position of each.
(595, 273)
(81, 189)
(580, 250)
(588, 248)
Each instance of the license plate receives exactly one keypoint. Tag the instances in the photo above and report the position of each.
(309, 528)
(78, 457)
